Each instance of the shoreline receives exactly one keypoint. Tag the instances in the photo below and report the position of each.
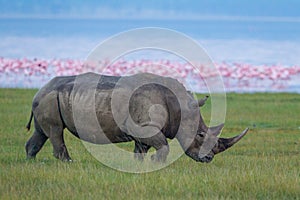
(237, 77)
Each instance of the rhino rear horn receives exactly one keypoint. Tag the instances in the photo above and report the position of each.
(225, 143)
(201, 102)
(215, 130)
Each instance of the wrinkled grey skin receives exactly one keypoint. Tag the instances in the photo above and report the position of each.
(54, 106)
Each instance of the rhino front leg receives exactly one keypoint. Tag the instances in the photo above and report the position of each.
(140, 150)
(160, 143)
(161, 154)
(59, 148)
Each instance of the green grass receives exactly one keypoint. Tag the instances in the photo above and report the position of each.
(264, 165)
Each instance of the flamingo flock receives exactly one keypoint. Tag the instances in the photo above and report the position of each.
(236, 76)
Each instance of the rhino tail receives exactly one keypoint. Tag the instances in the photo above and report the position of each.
(29, 123)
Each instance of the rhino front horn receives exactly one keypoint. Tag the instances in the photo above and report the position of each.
(225, 143)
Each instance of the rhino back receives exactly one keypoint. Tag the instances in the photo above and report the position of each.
(52, 86)
(86, 111)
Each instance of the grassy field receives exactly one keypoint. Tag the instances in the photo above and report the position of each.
(264, 165)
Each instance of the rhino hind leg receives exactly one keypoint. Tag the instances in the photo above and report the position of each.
(59, 148)
(140, 150)
(35, 143)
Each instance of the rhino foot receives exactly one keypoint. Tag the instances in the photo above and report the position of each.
(139, 156)
(161, 154)
(62, 153)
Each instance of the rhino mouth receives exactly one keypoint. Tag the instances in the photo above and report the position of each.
(206, 159)
(197, 158)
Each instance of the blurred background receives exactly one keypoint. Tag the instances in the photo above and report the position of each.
(259, 33)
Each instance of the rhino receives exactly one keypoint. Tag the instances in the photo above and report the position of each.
(145, 108)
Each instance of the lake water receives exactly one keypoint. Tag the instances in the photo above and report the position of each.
(256, 42)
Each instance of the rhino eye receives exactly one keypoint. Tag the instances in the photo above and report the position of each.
(201, 134)
(199, 139)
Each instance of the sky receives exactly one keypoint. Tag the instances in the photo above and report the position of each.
(223, 40)
(169, 9)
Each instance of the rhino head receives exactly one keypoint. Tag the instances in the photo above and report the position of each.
(206, 143)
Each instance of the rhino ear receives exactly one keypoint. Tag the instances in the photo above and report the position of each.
(215, 130)
(201, 102)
